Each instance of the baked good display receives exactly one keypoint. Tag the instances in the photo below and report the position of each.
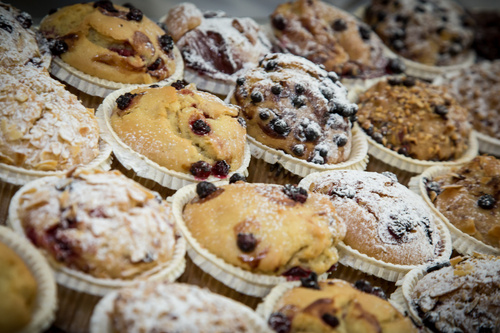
(331, 306)
(172, 307)
(468, 196)
(214, 46)
(98, 223)
(461, 295)
(203, 136)
(415, 119)
(19, 46)
(328, 36)
(436, 32)
(43, 126)
(19, 290)
(486, 33)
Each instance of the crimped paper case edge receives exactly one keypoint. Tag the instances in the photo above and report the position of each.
(220, 87)
(462, 242)
(142, 165)
(46, 305)
(100, 87)
(387, 271)
(20, 176)
(85, 283)
(100, 321)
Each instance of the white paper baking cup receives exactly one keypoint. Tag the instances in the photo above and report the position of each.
(100, 87)
(351, 257)
(46, 300)
(142, 165)
(85, 283)
(101, 321)
(20, 176)
(462, 242)
(219, 87)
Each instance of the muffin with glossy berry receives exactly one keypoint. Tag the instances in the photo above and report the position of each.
(298, 114)
(430, 35)
(174, 135)
(100, 47)
(252, 236)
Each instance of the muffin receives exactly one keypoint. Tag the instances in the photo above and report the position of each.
(216, 48)
(469, 198)
(331, 306)
(434, 33)
(258, 233)
(111, 45)
(19, 45)
(172, 307)
(459, 296)
(333, 38)
(388, 227)
(203, 136)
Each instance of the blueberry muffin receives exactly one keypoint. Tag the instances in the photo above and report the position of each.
(110, 42)
(469, 197)
(333, 38)
(462, 296)
(99, 223)
(433, 32)
(415, 119)
(291, 104)
(265, 229)
(181, 129)
(336, 306)
(214, 45)
(43, 127)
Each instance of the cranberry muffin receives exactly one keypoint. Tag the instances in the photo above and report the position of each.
(415, 119)
(333, 38)
(293, 105)
(436, 33)
(110, 42)
(469, 198)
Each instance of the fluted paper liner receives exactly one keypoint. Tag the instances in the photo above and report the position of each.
(100, 87)
(46, 299)
(85, 283)
(351, 257)
(219, 87)
(462, 242)
(142, 165)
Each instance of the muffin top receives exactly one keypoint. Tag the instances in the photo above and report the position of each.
(110, 42)
(18, 288)
(461, 297)
(100, 223)
(477, 88)
(202, 135)
(174, 307)
(19, 45)
(214, 45)
(264, 228)
(384, 219)
(331, 37)
(337, 306)
(469, 197)
(437, 32)
(43, 126)
(415, 119)
(293, 105)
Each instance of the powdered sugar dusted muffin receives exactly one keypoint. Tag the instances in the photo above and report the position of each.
(384, 219)
(98, 223)
(331, 37)
(265, 229)
(174, 307)
(461, 297)
(43, 126)
(293, 105)
(110, 42)
(216, 46)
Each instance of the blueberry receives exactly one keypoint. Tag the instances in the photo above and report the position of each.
(311, 133)
(154, 86)
(311, 281)
(363, 285)
(221, 169)
(441, 110)
(204, 189)
(264, 114)
(57, 47)
(322, 151)
(25, 20)
(299, 101)
(246, 242)
(279, 22)
(298, 150)
(124, 100)
(328, 94)
(378, 137)
(409, 82)
(394, 81)
(364, 32)
(242, 122)
(179, 84)
(330, 320)
(377, 291)
(486, 201)
(256, 97)
(316, 159)
(106, 5)
(200, 127)
(486, 329)
(433, 186)
(295, 193)
(430, 319)
(390, 175)
(276, 89)
(240, 81)
(395, 66)
(280, 126)
(333, 76)
(6, 27)
(340, 140)
(271, 65)
(166, 43)
(403, 151)
(299, 89)
(201, 169)
(237, 177)
(155, 65)
(134, 14)
(339, 25)
(279, 322)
